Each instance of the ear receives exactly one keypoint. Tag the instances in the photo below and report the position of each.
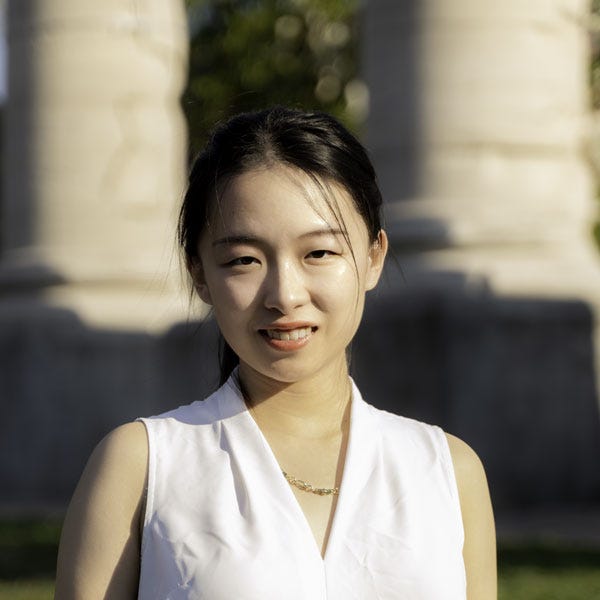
(197, 273)
(377, 254)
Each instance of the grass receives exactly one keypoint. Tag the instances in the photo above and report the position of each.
(27, 589)
(548, 572)
(530, 572)
(28, 559)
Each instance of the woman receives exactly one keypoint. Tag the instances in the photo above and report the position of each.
(284, 483)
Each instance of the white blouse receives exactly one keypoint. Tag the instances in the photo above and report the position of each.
(222, 523)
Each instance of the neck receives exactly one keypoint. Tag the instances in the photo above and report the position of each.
(316, 407)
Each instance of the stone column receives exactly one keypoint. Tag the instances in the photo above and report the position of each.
(478, 126)
(478, 122)
(94, 159)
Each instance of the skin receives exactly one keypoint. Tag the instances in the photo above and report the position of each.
(100, 542)
(265, 265)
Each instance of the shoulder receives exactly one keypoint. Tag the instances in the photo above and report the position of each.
(470, 476)
(127, 442)
(123, 450)
(397, 429)
(467, 464)
(218, 405)
(393, 421)
(479, 549)
(115, 473)
(106, 508)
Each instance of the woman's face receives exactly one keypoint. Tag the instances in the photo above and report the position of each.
(286, 288)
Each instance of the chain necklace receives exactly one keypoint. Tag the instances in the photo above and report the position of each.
(299, 483)
(307, 487)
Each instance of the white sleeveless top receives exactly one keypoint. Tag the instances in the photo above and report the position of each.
(222, 523)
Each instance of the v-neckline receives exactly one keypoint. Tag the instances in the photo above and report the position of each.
(283, 488)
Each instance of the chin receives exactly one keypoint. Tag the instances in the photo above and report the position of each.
(289, 370)
(284, 374)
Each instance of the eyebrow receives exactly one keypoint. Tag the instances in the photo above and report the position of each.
(253, 240)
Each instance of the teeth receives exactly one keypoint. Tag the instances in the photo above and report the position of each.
(294, 334)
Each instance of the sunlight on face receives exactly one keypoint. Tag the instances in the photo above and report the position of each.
(286, 271)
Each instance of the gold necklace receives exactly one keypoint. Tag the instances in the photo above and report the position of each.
(307, 487)
(299, 483)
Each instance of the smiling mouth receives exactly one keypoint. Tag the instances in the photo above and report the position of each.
(286, 335)
(289, 334)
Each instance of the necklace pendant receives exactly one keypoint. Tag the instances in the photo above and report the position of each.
(307, 487)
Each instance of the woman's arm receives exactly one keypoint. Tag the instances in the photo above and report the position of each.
(99, 553)
(479, 551)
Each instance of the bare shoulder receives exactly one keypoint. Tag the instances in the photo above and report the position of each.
(479, 550)
(119, 461)
(126, 445)
(470, 479)
(99, 547)
(466, 462)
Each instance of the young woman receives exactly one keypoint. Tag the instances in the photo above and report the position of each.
(284, 484)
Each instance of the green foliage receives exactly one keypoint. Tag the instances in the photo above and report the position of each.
(249, 54)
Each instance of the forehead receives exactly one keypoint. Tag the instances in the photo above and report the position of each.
(285, 198)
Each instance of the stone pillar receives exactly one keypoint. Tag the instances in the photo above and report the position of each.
(478, 121)
(94, 159)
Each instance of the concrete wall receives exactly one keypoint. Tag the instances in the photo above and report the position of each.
(64, 385)
(514, 379)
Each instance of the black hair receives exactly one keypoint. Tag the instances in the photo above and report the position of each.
(312, 142)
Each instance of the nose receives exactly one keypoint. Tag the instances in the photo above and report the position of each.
(285, 287)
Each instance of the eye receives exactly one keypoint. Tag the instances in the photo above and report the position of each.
(242, 261)
(320, 254)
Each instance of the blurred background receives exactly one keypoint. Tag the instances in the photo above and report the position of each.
(481, 119)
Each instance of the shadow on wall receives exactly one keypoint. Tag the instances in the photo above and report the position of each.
(64, 386)
(513, 377)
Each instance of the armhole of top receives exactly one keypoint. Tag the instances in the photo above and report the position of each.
(149, 492)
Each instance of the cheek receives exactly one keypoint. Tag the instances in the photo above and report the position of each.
(232, 303)
(234, 293)
(339, 288)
